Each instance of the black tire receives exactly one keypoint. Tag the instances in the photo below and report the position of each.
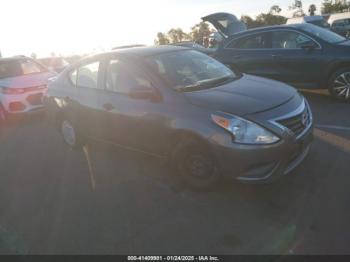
(73, 138)
(196, 166)
(339, 84)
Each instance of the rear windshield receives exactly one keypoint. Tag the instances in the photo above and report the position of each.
(13, 68)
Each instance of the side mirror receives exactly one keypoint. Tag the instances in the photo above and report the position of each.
(142, 92)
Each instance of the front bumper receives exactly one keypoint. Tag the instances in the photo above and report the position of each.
(22, 103)
(262, 164)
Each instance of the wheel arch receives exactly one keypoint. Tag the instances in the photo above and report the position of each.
(337, 66)
(183, 137)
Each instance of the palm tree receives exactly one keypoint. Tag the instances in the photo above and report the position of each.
(312, 9)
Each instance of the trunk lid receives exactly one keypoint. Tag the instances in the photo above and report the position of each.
(225, 23)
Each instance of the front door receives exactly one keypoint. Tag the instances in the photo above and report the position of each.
(130, 122)
(297, 58)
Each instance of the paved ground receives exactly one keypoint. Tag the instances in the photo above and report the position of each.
(106, 201)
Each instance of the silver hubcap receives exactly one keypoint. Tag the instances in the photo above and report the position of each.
(341, 85)
(68, 133)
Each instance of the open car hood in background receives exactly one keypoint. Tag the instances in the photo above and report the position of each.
(225, 23)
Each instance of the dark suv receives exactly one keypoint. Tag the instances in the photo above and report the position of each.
(180, 104)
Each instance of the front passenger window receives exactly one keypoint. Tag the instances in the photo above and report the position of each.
(120, 78)
(88, 75)
(289, 40)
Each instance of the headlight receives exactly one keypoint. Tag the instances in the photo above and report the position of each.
(245, 131)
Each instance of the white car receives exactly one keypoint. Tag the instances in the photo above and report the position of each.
(23, 83)
(315, 20)
(340, 23)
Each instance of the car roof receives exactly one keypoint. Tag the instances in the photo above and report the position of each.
(138, 52)
(267, 28)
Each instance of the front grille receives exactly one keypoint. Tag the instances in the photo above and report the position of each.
(298, 123)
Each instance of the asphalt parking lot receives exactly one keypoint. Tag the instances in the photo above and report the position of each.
(107, 201)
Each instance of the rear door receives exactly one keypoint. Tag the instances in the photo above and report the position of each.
(249, 54)
(89, 100)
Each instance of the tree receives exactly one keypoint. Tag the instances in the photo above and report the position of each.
(33, 55)
(200, 32)
(312, 9)
(330, 7)
(265, 19)
(250, 22)
(270, 19)
(162, 39)
(275, 9)
(297, 8)
(177, 35)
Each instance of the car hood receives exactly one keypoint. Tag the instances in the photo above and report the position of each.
(225, 23)
(27, 80)
(247, 95)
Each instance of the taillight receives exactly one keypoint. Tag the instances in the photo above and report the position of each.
(18, 91)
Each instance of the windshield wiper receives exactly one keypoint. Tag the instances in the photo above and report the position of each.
(206, 84)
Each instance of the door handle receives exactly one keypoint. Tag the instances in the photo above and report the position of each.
(237, 57)
(108, 107)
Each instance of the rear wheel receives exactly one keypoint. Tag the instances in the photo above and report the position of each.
(69, 133)
(339, 84)
(197, 166)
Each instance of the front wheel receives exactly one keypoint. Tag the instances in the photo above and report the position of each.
(339, 84)
(70, 135)
(197, 166)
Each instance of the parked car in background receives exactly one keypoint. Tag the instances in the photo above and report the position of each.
(340, 23)
(196, 46)
(182, 105)
(23, 81)
(303, 55)
(314, 20)
(56, 64)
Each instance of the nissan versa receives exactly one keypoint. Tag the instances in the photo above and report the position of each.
(183, 105)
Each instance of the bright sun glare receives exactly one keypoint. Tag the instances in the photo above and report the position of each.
(78, 26)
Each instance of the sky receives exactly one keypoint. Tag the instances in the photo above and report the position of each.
(78, 26)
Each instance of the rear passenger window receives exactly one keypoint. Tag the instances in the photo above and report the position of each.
(257, 41)
(88, 75)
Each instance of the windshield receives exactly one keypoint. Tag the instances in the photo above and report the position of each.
(190, 69)
(13, 68)
(322, 33)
